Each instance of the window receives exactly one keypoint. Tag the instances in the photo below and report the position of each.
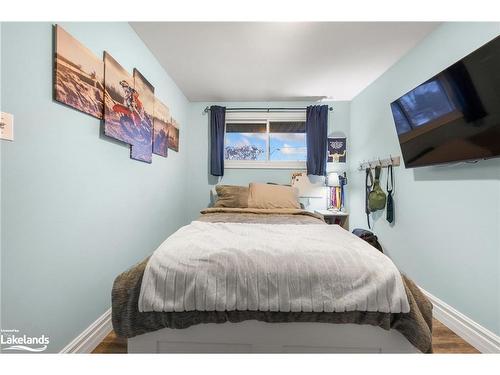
(245, 141)
(265, 140)
(287, 140)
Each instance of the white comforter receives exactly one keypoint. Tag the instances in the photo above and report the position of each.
(281, 267)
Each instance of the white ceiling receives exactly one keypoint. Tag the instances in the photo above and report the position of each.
(259, 61)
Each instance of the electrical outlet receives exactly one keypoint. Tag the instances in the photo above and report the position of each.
(6, 126)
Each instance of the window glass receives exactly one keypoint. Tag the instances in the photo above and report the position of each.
(246, 141)
(287, 141)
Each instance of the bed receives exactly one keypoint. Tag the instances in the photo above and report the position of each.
(277, 322)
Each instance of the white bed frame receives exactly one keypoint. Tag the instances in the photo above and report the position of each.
(259, 337)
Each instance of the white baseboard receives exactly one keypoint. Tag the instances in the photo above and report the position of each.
(479, 337)
(88, 340)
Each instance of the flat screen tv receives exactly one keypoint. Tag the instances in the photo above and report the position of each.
(455, 115)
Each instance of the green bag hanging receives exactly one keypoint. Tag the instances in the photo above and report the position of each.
(377, 197)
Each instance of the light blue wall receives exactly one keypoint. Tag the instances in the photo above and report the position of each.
(200, 182)
(446, 233)
(1, 142)
(76, 210)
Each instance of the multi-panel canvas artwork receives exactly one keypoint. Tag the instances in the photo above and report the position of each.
(104, 89)
(161, 122)
(79, 75)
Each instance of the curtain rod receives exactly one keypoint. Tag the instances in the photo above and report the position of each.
(263, 109)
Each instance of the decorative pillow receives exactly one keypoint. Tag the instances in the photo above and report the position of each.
(231, 196)
(272, 196)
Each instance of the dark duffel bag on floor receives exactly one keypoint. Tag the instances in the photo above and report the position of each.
(369, 237)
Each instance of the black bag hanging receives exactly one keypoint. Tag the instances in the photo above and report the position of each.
(390, 201)
(368, 188)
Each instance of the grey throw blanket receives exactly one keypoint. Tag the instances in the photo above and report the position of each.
(416, 325)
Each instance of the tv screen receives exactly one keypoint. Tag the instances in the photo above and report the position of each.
(455, 115)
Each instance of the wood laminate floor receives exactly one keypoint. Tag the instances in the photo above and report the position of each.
(443, 341)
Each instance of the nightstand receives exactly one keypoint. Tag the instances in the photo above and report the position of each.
(335, 217)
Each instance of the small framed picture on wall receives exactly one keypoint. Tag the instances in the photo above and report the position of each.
(337, 150)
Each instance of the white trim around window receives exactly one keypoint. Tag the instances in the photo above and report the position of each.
(263, 164)
(273, 116)
(264, 117)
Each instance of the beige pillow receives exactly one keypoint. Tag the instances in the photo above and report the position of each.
(229, 196)
(272, 196)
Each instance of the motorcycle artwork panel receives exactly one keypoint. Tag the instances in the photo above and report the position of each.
(161, 122)
(79, 75)
(125, 117)
(144, 102)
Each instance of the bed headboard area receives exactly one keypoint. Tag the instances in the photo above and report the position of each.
(312, 190)
(309, 186)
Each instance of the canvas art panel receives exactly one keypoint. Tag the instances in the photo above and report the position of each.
(144, 101)
(161, 122)
(6, 126)
(79, 75)
(115, 102)
(173, 136)
(337, 150)
(124, 117)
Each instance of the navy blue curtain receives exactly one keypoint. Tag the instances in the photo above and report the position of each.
(217, 125)
(317, 139)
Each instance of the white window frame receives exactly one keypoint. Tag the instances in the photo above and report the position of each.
(263, 117)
